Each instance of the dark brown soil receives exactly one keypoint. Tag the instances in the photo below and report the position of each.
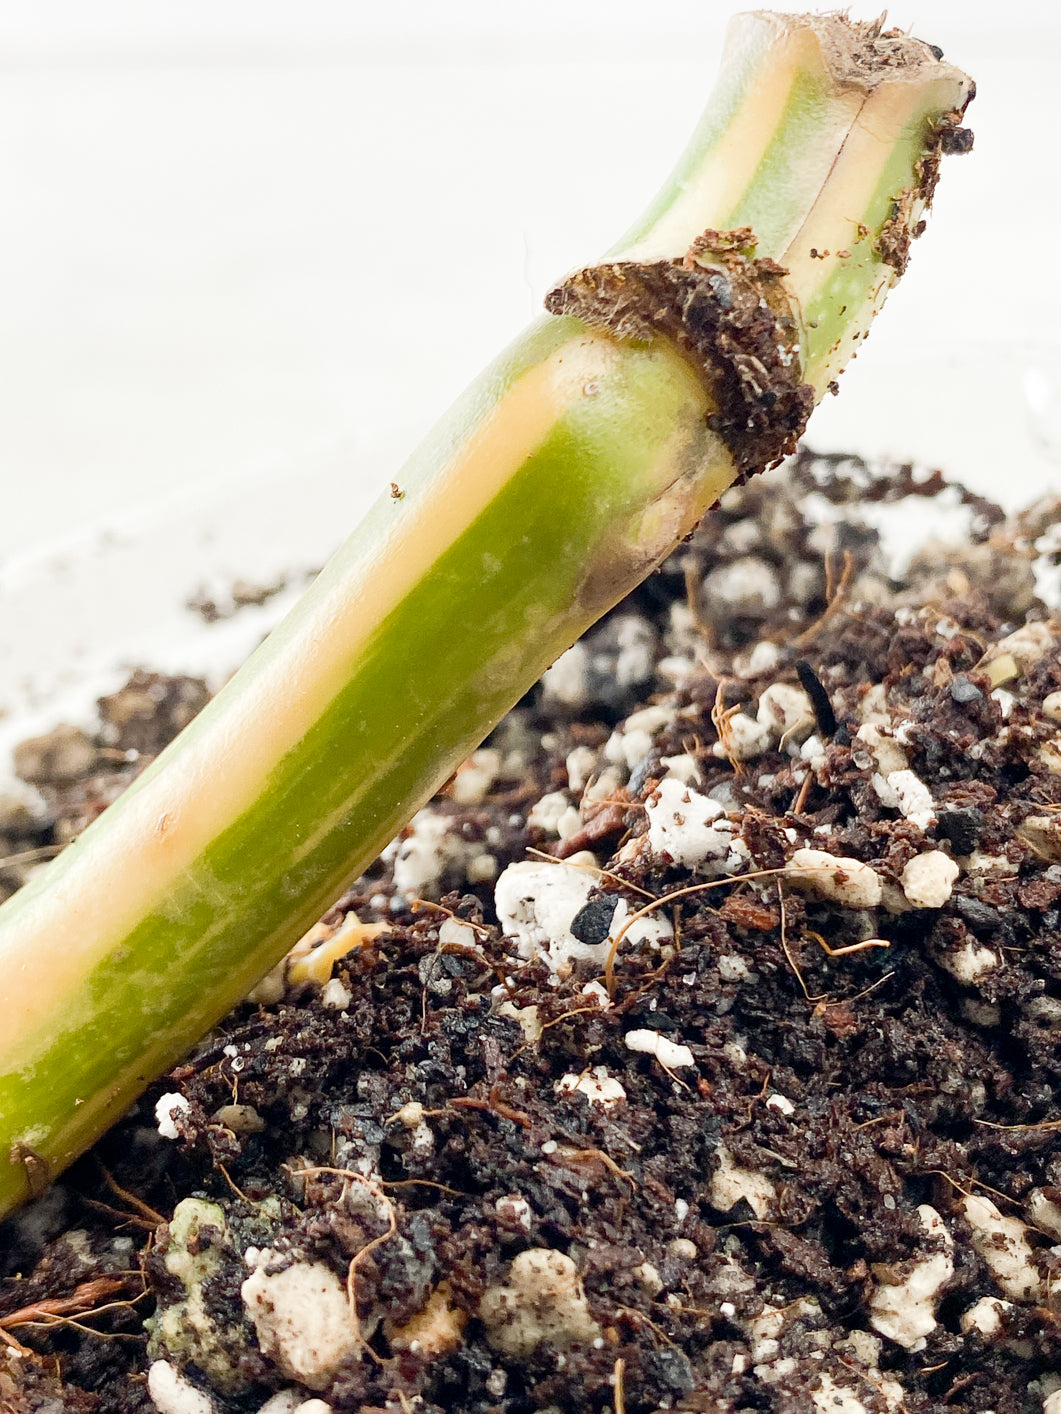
(833, 1180)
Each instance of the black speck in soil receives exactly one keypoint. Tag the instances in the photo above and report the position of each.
(593, 920)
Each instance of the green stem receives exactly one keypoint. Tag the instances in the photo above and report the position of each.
(564, 475)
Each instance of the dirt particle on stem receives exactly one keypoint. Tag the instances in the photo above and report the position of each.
(904, 225)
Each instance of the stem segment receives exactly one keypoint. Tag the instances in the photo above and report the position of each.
(564, 475)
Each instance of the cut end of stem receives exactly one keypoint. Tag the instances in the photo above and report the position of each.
(817, 159)
(858, 54)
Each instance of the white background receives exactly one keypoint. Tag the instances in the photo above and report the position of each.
(261, 244)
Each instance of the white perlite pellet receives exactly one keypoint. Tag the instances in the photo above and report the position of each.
(649, 719)
(543, 1300)
(740, 537)
(970, 962)
(990, 864)
(422, 855)
(832, 1398)
(285, 1401)
(290, 1401)
(581, 763)
(335, 995)
(453, 933)
(905, 1310)
(1006, 702)
(681, 768)
(631, 742)
(906, 792)
(669, 1053)
(763, 1332)
(746, 738)
(928, 879)
(813, 752)
(831, 876)
(597, 1085)
(748, 586)
(536, 904)
(636, 641)
(864, 1346)
(526, 1018)
(886, 751)
(692, 829)
(772, 1374)
(171, 1393)
(475, 776)
(302, 1319)
(167, 1107)
(764, 656)
(786, 712)
(554, 815)
(1003, 1245)
(605, 785)
(1044, 1212)
(481, 868)
(873, 706)
(567, 681)
(731, 1182)
(649, 1278)
(732, 967)
(985, 1316)
(915, 798)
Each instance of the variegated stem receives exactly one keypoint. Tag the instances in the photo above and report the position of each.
(569, 469)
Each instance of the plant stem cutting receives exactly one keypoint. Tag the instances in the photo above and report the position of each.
(690, 357)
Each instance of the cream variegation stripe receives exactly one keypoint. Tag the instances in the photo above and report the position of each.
(718, 183)
(157, 832)
(832, 223)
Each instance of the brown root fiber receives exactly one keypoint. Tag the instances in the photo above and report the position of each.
(728, 313)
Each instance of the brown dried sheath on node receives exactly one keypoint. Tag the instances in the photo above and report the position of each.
(730, 315)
